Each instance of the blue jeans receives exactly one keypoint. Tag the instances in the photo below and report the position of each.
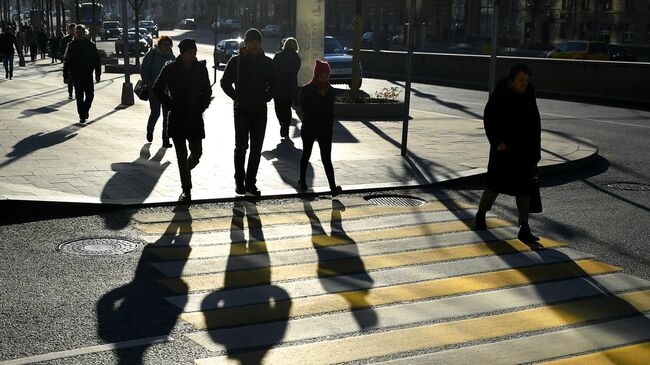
(8, 63)
(245, 127)
(154, 107)
(84, 91)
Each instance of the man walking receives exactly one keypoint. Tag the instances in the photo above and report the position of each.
(7, 45)
(189, 96)
(81, 59)
(254, 79)
(65, 41)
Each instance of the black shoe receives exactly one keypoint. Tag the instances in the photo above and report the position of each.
(167, 144)
(336, 190)
(149, 137)
(302, 185)
(82, 120)
(240, 189)
(479, 221)
(69, 96)
(525, 235)
(284, 130)
(185, 197)
(253, 190)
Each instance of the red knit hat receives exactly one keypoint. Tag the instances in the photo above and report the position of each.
(321, 67)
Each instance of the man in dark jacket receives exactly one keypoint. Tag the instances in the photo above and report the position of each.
(189, 95)
(512, 125)
(81, 59)
(253, 75)
(7, 45)
(287, 64)
(65, 41)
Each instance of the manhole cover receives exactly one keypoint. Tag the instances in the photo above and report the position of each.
(629, 186)
(396, 200)
(98, 247)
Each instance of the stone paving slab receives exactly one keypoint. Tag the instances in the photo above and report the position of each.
(45, 155)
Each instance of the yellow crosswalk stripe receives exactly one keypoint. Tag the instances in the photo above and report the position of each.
(348, 266)
(224, 223)
(638, 354)
(447, 333)
(386, 295)
(257, 247)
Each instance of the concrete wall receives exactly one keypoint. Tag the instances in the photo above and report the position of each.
(602, 80)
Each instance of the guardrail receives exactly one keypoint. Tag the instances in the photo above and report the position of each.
(601, 80)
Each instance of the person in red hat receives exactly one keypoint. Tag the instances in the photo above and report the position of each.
(317, 103)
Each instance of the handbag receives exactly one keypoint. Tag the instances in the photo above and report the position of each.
(535, 198)
(141, 90)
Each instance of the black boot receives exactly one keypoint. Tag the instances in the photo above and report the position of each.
(302, 185)
(479, 221)
(525, 235)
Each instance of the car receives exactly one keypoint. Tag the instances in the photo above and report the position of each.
(220, 26)
(110, 29)
(581, 50)
(226, 49)
(367, 39)
(150, 26)
(272, 30)
(618, 53)
(143, 46)
(145, 34)
(233, 24)
(188, 24)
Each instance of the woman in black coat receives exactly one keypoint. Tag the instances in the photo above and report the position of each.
(287, 64)
(512, 125)
(317, 104)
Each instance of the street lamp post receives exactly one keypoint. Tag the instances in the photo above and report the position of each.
(407, 89)
(127, 87)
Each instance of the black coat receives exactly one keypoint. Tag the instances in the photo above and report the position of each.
(287, 65)
(81, 59)
(188, 97)
(514, 120)
(318, 111)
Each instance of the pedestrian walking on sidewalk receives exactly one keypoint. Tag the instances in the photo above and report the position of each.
(42, 39)
(53, 44)
(7, 45)
(287, 64)
(152, 63)
(512, 125)
(253, 75)
(317, 104)
(31, 42)
(63, 47)
(189, 96)
(81, 59)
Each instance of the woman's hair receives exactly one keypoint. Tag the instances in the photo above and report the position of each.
(291, 43)
(163, 39)
(516, 69)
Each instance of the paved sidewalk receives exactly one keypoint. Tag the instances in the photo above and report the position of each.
(47, 156)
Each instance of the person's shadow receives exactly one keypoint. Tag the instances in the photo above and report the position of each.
(132, 183)
(286, 160)
(139, 309)
(276, 307)
(340, 269)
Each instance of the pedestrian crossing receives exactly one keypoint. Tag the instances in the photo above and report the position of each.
(347, 281)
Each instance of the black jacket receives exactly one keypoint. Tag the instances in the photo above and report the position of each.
(188, 96)
(514, 120)
(287, 65)
(255, 80)
(65, 41)
(81, 59)
(318, 111)
(7, 44)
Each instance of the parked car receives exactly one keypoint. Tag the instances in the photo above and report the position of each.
(144, 34)
(397, 38)
(233, 24)
(272, 30)
(110, 29)
(142, 45)
(220, 26)
(618, 53)
(226, 49)
(150, 26)
(581, 50)
(189, 24)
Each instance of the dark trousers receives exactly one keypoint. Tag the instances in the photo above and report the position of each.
(283, 110)
(523, 204)
(84, 92)
(185, 163)
(154, 114)
(8, 63)
(70, 87)
(325, 145)
(253, 128)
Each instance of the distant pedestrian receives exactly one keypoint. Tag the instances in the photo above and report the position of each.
(63, 47)
(81, 59)
(53, 45)
(152, 63)
(189, 96)
(254, 79)
(31, 43)
(317, 104)
(7, 45)
(287, 64)
(43, 40)
(512, 125)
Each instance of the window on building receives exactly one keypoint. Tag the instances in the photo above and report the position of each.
(607, 4)
(629, 5)
(458, 17)
(586, 4)
(585, 31)
(563, 30)
(605, 33)
(628, 32)
(487, 15)
(528, 32)
(648, 34)
(565, 4)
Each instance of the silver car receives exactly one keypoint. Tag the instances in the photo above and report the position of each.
(226, 49)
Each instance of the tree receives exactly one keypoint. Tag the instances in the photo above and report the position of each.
(356, 54)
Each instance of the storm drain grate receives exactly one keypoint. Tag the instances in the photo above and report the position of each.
(631, 186)
(396, 200)
(98, 247)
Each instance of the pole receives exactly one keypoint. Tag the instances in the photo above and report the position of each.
(407, 90)
(127, 88)
(493, 52)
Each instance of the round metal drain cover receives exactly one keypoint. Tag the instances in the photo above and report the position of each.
(396, 200)
(98, 247)
(632, 186)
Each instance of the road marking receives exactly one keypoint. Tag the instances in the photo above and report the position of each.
(596, 120)
(89, 350)
(425, 337)
(358, 299)
(446, 115)
(638, 354)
